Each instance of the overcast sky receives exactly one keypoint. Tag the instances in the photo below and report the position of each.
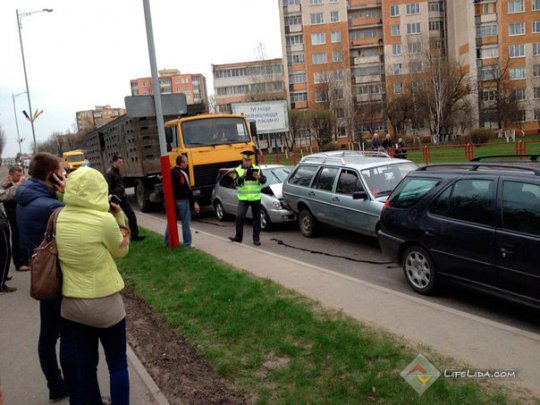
(84, 53)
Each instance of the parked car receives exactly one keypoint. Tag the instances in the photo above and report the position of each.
(474, 224)
(345, 189)
(274, 210)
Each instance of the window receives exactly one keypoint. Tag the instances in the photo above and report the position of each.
(486, 30)
(415, 47)
(333, 1)
(337, 56)
(297, 78)
(394, 10)
(395, 30)
(516, 29)
(296, 59)
(536, 70)
(398, 88)
(467, 200)
(536, 92)
(517, 73)
(536, 27)
(436, 25)
(293, 20)
(413, 28)
(370, 88)
(299, 97)
(335, 36)
(489, 52)
(318, 38)
(535, 5)
(515, 6)
(518, 94)
(315, 2)
(318, 58)
(396, 49)
(537, 114)
(397, 68)
(413, 8)
(325, 179)
(521, 207)
(516, 50)
(348, 183)
(334, 16)
(536, 49)
(294, 40)
(415, 67)
(489, 95)
(521, 116)
(303, 175)
(412, 190)
(436, 6)
(316, 18)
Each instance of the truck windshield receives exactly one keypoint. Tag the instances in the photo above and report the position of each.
(75, 158)
(214, 131)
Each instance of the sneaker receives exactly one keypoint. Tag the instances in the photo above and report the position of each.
(24, 267)
(235, 239)
(7, 289)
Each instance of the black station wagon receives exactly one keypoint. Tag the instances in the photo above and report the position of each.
(474, 224)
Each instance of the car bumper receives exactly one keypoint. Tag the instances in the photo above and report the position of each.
(390, 246)
(280, 215)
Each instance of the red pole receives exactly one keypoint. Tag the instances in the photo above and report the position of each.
(170, 207)
(278, 158)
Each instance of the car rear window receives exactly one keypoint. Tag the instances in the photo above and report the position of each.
(411, 190)
(303, 175)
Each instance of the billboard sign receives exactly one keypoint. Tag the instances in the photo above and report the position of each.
(270, 116)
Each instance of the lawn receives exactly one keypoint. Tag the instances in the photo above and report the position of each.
(275, 345)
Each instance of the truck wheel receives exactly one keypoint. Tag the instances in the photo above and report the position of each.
(142, 195)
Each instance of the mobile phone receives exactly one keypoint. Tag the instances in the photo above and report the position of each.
(115, 199)
(53, 180)
(249, 174)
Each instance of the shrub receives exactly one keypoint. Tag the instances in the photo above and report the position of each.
(480, 135)
(329, 146)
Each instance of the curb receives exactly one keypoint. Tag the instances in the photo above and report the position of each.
(157, 395)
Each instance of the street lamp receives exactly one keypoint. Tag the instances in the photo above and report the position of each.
(19, 140)
(19, 26)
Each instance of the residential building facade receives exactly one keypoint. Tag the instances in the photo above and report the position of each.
(260, 80)
(102, 114)
(172, 81)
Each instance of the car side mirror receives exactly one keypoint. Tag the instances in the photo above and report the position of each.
(168, 134)
(359, 195)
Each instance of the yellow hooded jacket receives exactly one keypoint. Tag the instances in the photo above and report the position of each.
(88, 238)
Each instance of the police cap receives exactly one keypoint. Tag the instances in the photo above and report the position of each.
(247, 154)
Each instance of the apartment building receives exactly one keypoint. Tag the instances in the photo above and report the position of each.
(383, 45)
(260, 80)
(172, 81)
(102, 114)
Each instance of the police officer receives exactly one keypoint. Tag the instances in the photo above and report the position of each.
(248, 179)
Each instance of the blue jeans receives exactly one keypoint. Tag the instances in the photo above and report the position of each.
(113, 340)
(52, 327)
(183, 213)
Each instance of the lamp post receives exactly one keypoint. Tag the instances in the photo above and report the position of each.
(19, 140)
(19, 26)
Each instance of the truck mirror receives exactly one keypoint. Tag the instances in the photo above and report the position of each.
(168, 135)
(253, 129)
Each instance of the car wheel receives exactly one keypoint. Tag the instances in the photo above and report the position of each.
(308, 223)
(266, 223)
(419, 270)
(220, 211)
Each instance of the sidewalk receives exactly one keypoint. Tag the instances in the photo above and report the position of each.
(469, 339)
(20, 373)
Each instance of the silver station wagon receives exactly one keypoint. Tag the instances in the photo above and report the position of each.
(345, 189)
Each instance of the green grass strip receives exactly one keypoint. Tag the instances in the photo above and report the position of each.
(275, 345)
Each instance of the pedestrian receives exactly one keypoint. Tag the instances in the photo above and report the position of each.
(183, 198)
(401, 149)
(375, 142)
(36, 200)
(5, 252)
(116, 187)
(248, 179)
(387, 143)
(92, 305)
(9, 187)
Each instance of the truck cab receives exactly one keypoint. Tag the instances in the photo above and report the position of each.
(73, 159)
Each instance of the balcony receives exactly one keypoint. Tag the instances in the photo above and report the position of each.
(361, 98)
(371, 41)
(362, 4)
(293, 28)
(359, 60)
(487, 18)
(365, 22)
(295, 48)
(292, 9)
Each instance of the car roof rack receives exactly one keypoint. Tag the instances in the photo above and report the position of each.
(532, 157)
(473, 166)
(342, 157)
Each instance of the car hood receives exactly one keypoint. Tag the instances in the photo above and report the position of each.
(277, 189)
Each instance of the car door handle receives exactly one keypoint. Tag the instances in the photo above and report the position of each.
(311, 193)
(429, 232)
(505, 251)
(335, 199)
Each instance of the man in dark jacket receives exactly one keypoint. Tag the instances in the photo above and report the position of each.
(116, 187)
(36, 200)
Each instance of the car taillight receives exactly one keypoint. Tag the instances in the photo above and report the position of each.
(386, 204)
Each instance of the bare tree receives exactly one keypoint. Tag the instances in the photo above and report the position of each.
(321, 123)
(2, 141)
(298, 122)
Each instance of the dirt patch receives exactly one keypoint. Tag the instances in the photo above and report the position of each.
(180, 371)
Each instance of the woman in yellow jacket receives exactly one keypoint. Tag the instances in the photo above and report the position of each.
(89, 238)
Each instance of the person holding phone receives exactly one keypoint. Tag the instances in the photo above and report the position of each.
(248, 179)
(37, 198)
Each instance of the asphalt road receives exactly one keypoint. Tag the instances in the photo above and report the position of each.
(359, 256)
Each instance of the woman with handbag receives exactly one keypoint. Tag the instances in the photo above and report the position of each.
(92, 305)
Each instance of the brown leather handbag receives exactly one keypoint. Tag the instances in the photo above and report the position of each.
(45, 273)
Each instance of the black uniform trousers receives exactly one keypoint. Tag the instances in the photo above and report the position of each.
(241, 216)
(5, 254)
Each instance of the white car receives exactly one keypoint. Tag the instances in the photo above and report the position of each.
(273, 210)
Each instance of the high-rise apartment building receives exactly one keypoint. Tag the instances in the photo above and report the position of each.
(373, 50)
(172, 81)
(260, 80)
(102, 114)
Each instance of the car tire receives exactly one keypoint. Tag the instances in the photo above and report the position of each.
(419, 270)
(307, 223)
(220, 211)
(266, 223)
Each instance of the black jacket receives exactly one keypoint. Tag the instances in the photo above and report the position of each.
(181, 188)
(115, 181)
